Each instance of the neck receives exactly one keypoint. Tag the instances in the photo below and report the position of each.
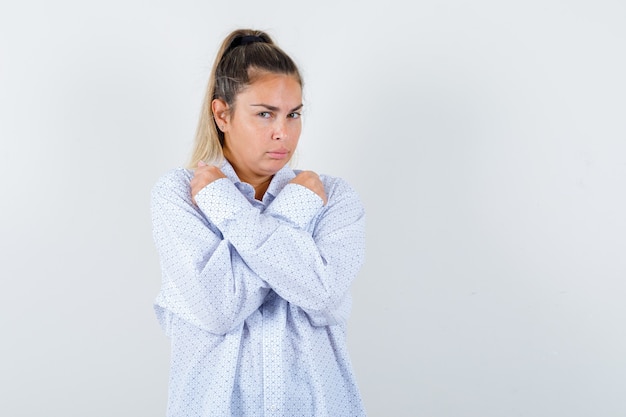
(260, 188)
(260, 184)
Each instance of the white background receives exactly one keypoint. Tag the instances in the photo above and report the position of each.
(487, 140)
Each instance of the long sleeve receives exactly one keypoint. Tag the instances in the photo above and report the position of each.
(204, 280)
(255, 295)
(308, 254)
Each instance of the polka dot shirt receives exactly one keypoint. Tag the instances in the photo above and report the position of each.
(256, 294)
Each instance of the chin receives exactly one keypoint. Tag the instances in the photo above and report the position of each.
(277, 164)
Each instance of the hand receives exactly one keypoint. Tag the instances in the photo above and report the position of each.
(311, 180)
(203, 176)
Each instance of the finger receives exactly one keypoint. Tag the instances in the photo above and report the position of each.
(202, 164)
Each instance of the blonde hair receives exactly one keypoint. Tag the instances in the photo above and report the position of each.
(244, 53)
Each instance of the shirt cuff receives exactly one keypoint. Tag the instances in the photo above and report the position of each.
(220, 201)
(296, 204)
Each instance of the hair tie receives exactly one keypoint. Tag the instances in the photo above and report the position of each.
(246, 40)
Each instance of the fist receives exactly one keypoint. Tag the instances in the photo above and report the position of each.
(311, 180)
(203, 176)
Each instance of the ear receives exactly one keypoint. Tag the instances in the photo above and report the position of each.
(220, 113)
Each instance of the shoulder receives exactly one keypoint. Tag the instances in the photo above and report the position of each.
(344, 206)
(330, 182)
(341, 194)
(174, 182)
(173, 178)
(338, 187)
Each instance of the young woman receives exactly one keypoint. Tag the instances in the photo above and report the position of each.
(257, 258)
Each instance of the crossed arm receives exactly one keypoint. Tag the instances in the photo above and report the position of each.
(223, 256)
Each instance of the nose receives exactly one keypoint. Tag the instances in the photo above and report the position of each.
(280, 130)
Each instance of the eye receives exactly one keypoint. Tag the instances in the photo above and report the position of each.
(265, 114)
(295, 115)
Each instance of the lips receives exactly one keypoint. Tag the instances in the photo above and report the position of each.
(278, 154)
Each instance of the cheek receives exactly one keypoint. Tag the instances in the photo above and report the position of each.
(295, 131)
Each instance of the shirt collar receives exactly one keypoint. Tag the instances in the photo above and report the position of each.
(280, 179)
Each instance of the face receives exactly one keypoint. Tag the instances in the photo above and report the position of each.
(261, 134)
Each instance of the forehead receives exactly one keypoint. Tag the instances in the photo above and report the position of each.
(273, 89)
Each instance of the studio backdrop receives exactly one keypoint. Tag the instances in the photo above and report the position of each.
(486, 140)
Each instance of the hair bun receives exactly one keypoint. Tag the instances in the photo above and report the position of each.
(246, 40)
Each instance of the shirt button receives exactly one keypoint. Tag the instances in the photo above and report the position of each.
(272, 408)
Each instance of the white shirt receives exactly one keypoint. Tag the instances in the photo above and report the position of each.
(256, 294)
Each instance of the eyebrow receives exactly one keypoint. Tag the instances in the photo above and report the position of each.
(274, 108)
